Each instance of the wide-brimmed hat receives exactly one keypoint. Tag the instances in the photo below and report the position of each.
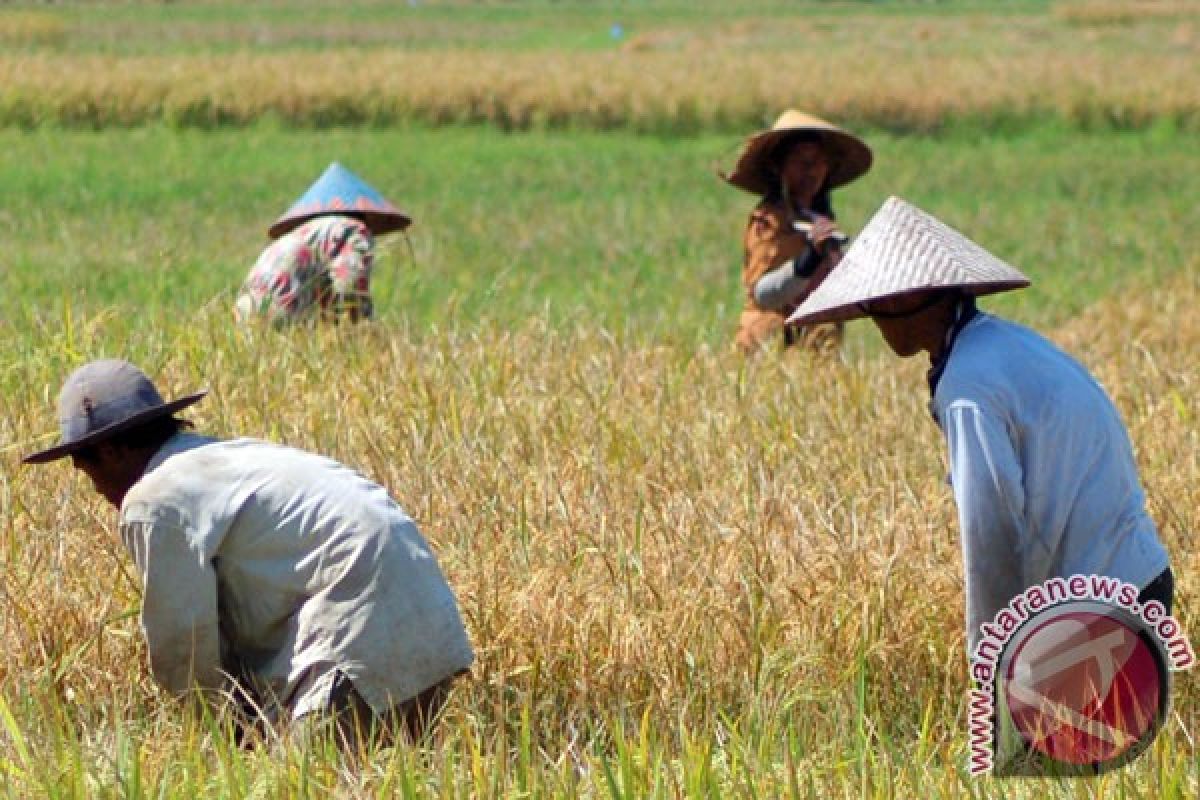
(902, 250)
(104, 398)
(756, 169)
(340, 191)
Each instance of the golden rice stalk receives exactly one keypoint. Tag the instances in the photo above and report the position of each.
(1124, 12)
(653, 90)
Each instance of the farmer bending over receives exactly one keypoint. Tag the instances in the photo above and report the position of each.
(276, 574)
(322, 255)
(1042, 468)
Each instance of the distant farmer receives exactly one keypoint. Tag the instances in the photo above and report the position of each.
(1041, 465)
(791, 240)
(323, 253)
(277, 575)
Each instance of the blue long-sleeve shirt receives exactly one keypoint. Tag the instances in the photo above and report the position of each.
(1043, 471)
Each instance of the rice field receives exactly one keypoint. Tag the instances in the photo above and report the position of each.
(866, 64)
(634, 234)
(686, 575)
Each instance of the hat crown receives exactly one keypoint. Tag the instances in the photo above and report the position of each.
(341, 191)
(340, 186)
(791, 118)
(911, 250)
(101, 394)
(755, 170)
(903, 250)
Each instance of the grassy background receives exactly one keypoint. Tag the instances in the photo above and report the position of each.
(685, 575)
(623, 232)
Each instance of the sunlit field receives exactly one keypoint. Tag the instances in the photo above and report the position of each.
(685, 574)
(628, 233)
(660, 67)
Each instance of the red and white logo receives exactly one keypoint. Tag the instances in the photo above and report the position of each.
(1085, 686)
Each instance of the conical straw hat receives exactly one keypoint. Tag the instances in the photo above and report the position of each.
(755, 170)
(340, 191)
(903, 250)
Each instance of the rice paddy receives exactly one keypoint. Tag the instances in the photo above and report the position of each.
(685, 574)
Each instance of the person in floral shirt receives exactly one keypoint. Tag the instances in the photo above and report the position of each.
(323, 264)
(320, 261)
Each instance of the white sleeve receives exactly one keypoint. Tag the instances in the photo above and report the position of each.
(779, 287)
(179, 606)
(990, 496)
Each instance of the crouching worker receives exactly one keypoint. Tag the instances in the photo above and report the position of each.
(278, 576)
(323, 252)
(1042, 468)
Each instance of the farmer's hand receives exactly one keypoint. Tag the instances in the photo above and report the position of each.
(823, 231)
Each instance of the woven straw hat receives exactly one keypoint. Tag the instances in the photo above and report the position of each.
(340, 191)
(104, 398)
(903, 250)
(755, 170)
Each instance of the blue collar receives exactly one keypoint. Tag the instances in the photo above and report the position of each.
(964, 312)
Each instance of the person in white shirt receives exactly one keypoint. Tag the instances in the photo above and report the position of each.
(1042, 468)
(277, 575)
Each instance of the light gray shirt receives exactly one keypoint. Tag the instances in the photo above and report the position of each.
(778, 288)
(1042, 467)
(290, 566)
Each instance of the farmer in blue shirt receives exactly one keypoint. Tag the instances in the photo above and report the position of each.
(1041, 465)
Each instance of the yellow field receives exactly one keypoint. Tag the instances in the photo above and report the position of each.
(1118, 12)
(1121, 65)
(685, 574)
(694, 567)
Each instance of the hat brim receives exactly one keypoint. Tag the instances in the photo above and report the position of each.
(849, 311)
(902, 251)
(754, 172)
(377, 222)
(64, 449)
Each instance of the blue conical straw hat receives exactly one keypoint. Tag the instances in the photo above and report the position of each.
(340, 191)
(903, 250)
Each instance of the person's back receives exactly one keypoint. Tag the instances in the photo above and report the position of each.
(1073, 494)
(322, 253)
(323, 265)
(318, 571)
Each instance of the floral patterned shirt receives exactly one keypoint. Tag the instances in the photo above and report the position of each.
(323, 264)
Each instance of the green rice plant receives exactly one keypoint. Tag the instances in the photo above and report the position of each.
(634, 233)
